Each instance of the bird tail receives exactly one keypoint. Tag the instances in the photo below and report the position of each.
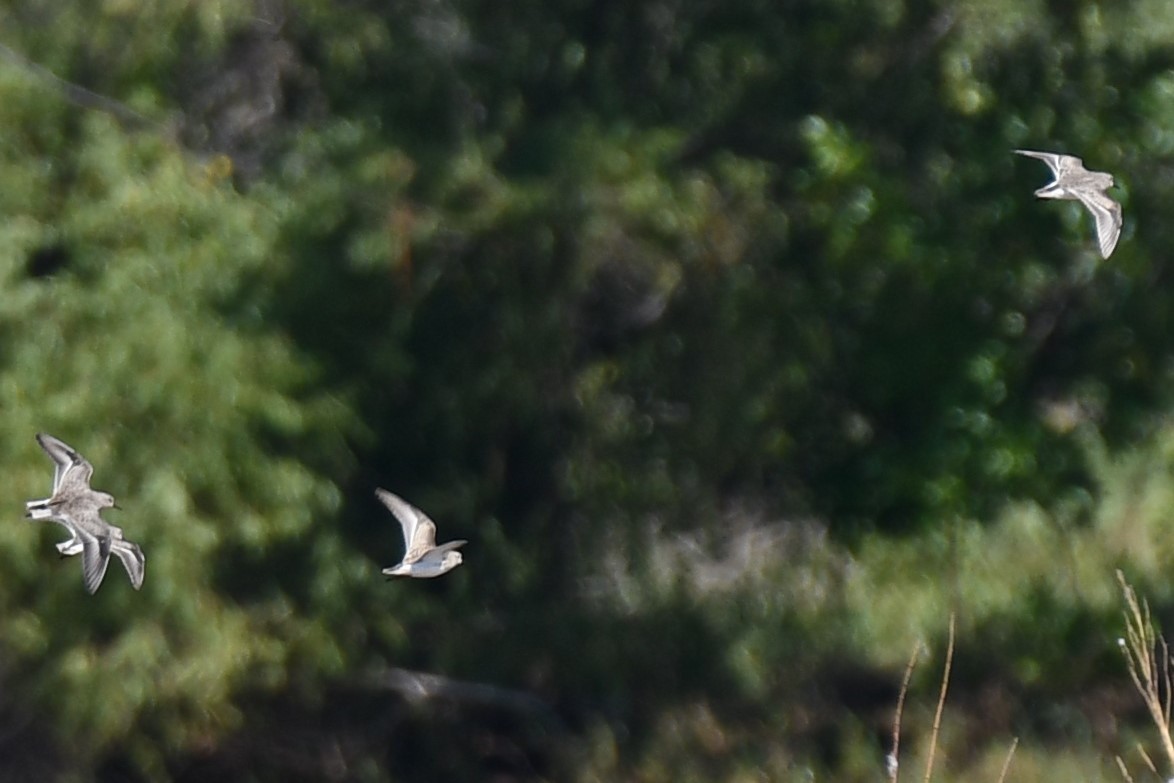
(38, 509)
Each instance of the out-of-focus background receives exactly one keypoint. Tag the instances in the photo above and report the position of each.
(729, 334)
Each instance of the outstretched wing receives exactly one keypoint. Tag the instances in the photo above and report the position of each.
(95, 559)
(447, 545)
(132, 559)
(1107, 214)
(419, 530)
(65, 459)
(1059, 164)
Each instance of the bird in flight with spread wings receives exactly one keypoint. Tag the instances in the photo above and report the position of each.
(422, 558)
(1073, 181)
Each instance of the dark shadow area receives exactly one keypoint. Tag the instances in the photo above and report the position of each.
(47, 261)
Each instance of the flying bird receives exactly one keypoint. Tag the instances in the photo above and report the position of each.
(423, 558)
(1075, 182)
(77, 507)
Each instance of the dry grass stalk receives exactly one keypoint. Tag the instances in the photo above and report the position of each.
(1149, 763)
(937, 718)
(1148, 668)
(1007, 761)
(892, 761)
(1124, 770)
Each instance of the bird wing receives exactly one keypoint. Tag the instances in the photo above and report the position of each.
(1059, 164)
(447, 545)
(423, 539)
(403, 511)
(65, 459)
(1107, 214)
(132, 559)
(74, 541)
(95, 559)
(419, 530)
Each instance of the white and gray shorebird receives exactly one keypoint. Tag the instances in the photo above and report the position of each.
(1074, 181)
(77, 507)
(423, 558)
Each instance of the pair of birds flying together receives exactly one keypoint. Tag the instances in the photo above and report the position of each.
(1075, 182)
(77, 507)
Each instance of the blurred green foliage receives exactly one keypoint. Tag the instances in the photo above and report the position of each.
(730, 334)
